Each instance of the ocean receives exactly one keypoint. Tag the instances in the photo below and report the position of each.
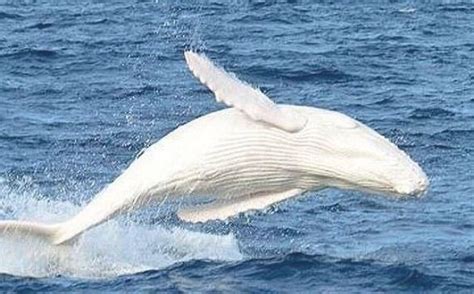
(85, 86)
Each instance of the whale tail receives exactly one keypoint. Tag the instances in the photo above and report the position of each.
(51, 233)
(112, 200)
(64, 232)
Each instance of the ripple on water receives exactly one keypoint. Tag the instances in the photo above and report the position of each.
(433, 112)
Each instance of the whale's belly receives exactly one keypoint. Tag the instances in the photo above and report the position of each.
(250, 162)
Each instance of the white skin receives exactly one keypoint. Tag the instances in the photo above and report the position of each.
(252, 155)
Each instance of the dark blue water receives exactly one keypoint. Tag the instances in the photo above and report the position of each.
(85, 86)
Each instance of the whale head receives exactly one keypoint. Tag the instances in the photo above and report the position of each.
(350, 155)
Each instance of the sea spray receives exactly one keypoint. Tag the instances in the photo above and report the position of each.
(116, 248)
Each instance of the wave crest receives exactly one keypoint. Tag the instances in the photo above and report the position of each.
(116, 248)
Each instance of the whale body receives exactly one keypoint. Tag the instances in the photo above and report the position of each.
(249, 156)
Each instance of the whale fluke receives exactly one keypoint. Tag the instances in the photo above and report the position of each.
(50, 233)
(97, 211)
(235, 93)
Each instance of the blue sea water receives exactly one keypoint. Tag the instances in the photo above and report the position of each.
(85, 86)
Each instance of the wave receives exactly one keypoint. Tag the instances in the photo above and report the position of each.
(431, 112)
(271, 274)
(136, 247)
(5, 15)
(407, 10)
(383, 101)
(461, 7)
(41, 25)
(467, 135)
(315, 73)
(40, 54)
(100, 21)
(311, 271)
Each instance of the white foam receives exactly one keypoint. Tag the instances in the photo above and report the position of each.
(407, 10)
(115, 248)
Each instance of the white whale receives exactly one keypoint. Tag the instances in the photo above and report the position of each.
(249, 156)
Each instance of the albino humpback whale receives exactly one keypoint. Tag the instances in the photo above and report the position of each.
(249, 156)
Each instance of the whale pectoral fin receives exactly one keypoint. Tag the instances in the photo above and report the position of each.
(220, 210)
(235, 93)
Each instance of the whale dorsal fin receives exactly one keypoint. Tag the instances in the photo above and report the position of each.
(222, 209)
(235, 93)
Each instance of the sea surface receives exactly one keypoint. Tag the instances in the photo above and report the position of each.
(86, 85)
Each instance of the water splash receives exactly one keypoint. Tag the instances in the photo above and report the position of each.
(115, 248)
